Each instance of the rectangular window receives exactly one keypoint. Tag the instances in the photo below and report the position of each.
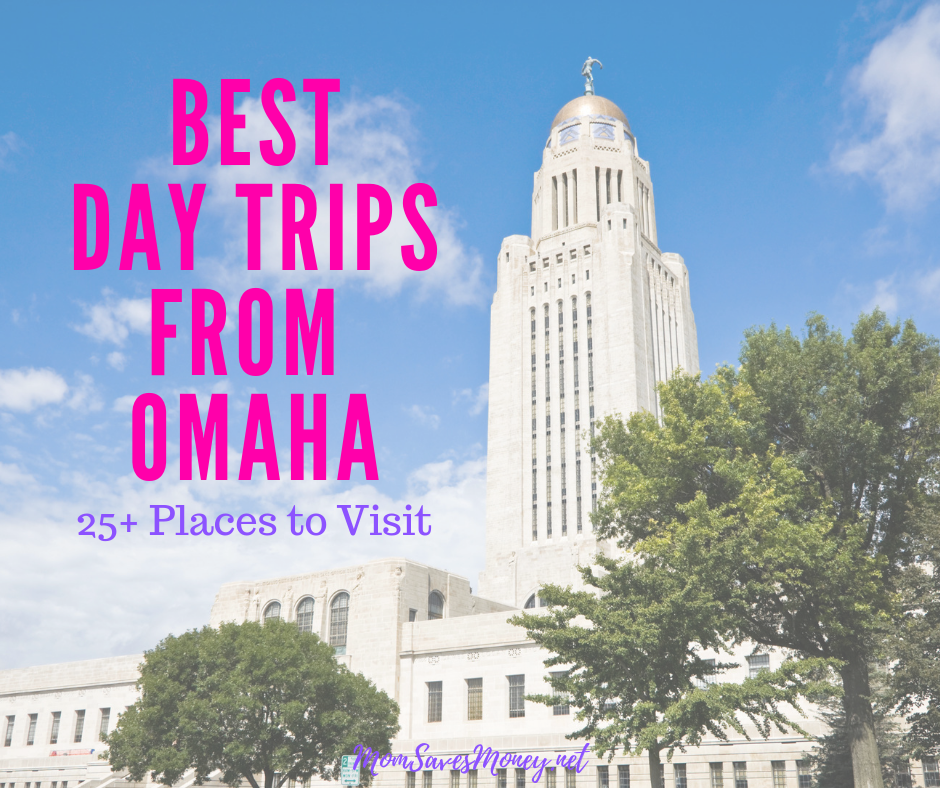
(554, 203)
(103, 728)
(803, 777)
(678, 772)
(904, 775)
(410, 779)
(8, 736)
(623, 777)
(717, 775)
(564, 182)
(500, 778)
(603, 777)
(779, 770)
(31, 732)
(561, 704)
(474, 699)
(454, 778)
(79, 725)
(435, 700)
(412, 614)
(571, 778)
(550, 777)
(931, 773)
(427, 778)
(472, 778)
(597, 191)
(574, 195)
(516, 696)
(54, 733)
(740, 774)
(520, 778)
(756, 663)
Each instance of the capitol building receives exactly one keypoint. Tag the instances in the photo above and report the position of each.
(589, 315)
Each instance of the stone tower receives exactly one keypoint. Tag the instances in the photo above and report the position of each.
(588, 316)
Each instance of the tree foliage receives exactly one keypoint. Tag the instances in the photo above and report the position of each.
(632, 644)
(914, 641)
(247, 700)
(788, 488)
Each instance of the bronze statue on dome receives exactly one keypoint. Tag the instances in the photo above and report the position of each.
(588, 76)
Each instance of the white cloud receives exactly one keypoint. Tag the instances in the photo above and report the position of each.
(370, 142)
(9, 143)
(929, 284)
(11, 474)
(112, 320)
(124, 404)
(187, 571)
(478, 399)
(84, 395)
(117, 360)
(29, 388)
(898, 86)
(423, 416)
(884, 298)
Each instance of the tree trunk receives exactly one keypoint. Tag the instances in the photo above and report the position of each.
(860, 724)
(656, 768)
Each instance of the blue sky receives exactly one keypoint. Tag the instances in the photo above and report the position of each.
(795, 155)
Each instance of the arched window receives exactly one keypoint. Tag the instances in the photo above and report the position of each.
(305, 615)
(339, 622)
(534, 600)
(273, 610)
(435, 606)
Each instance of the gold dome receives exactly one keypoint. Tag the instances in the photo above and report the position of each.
(590, 105)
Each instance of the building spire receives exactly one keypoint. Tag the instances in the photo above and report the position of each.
(588, 76)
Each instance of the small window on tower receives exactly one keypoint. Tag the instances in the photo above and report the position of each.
(572, 278)
(559, 281)
(608, 224)
(546, 287)
(587, 249)
(533, 290)
(544, 262)
(624, 224)
(574, 254)
(587, 274)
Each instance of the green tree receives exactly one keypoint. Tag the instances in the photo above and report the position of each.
(832, 756)
(247, 700)
(914, 642)
(788, 488)
(632, 645)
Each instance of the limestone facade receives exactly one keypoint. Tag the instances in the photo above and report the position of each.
(588, 316)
